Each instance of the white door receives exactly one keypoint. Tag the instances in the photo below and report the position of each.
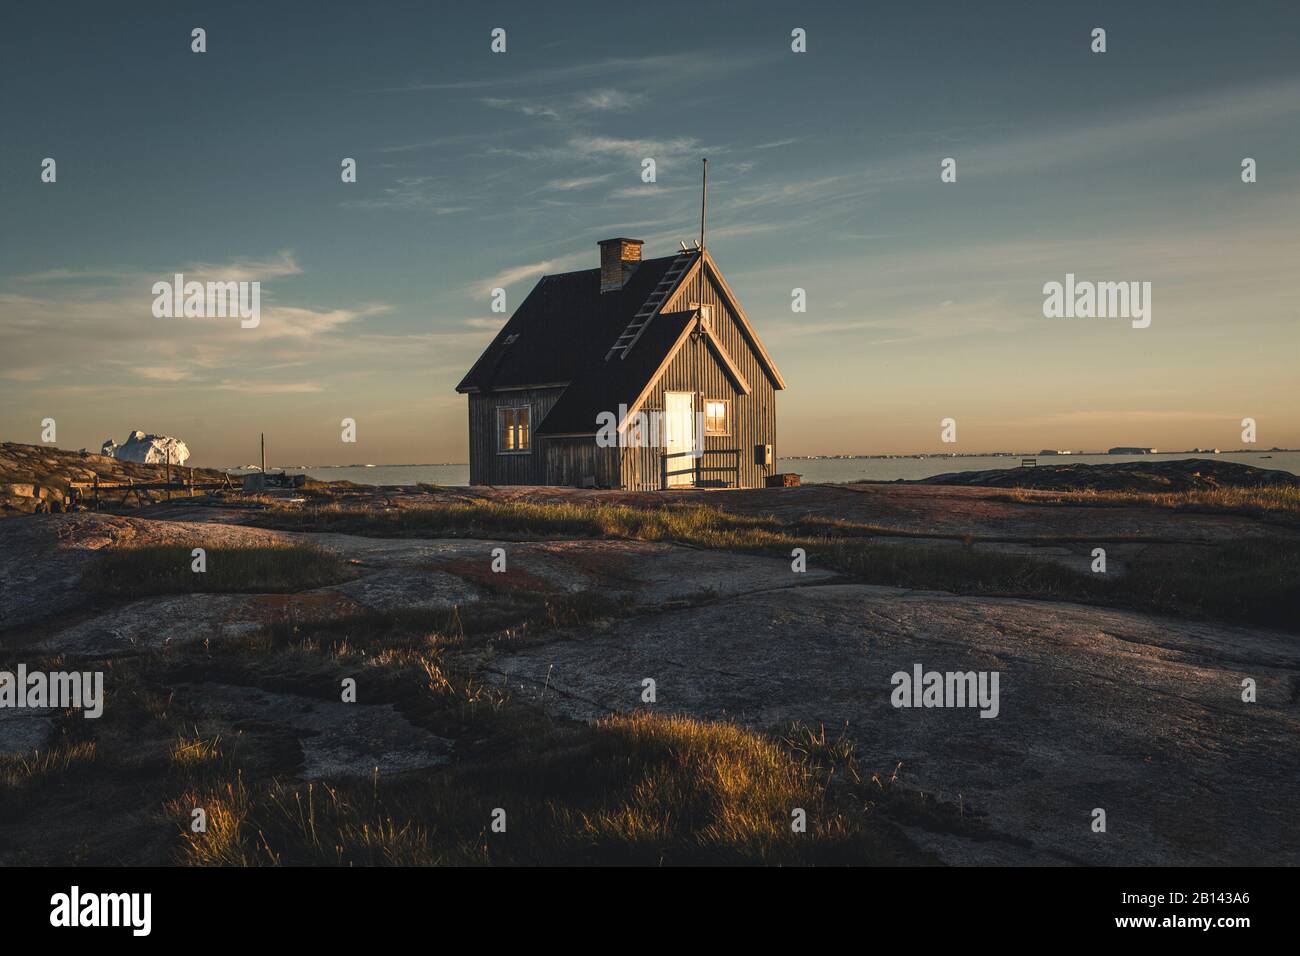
(679, 415)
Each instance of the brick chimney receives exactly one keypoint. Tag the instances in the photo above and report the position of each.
(618, 260)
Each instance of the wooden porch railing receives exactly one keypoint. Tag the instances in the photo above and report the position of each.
(698, 468)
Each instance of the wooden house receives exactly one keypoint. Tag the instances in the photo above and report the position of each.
(641, 374)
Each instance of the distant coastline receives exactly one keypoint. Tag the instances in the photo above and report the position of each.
(824, 469)
(1040, 454)
(917, 456)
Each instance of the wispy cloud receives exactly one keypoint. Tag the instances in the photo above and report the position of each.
(107, 329)
(161, 373)
(1146, 122)
(525, 107)
(425, 193)
(577, 182)
(648, 191)
(663, 69)
(637, 149)
(269, 388)
(611, 99)
(1127, 416)
(62, 275)
(568, 107)
(908, 324)
(245, 269)
(510, 276)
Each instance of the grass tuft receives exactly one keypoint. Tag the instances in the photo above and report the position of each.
(168, 569)
(636, 789)
(1270, 501)
(17, 770)
(1255, 581)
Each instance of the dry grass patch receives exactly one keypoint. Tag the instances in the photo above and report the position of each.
(19, 770)
(639, 789)
(168, 569)
(510, 519)
(1270, 502)
(191, 753)
(1256, 581)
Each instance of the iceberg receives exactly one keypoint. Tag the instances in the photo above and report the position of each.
(147, 449)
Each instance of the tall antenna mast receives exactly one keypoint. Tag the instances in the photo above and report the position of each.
(704, 203)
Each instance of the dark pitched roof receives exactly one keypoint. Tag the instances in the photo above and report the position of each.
(561, 332)
(607, 384)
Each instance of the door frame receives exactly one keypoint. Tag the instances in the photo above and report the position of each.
(680, 463)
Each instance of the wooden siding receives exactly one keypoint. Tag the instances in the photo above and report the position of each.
(579, 462)
(486, 466)
(696, 368)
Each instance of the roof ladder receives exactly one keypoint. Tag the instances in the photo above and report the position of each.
(651, 306)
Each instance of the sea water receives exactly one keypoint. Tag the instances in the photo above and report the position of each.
(822, 469)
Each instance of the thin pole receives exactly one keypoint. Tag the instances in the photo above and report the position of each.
(263, 454)
(704, 202)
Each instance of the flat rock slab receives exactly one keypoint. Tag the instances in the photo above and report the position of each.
(42, 557)
(402, 574)
(337, 739)
(665, 573)
(651, 572)
(403, 589)
(43, 560)
(150, 623)
(532, 566)
(925, 510)
(154, 622)
(1137, 715)
(1076, 557)
(23, 730)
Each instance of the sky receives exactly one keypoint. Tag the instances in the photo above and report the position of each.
(478, 170)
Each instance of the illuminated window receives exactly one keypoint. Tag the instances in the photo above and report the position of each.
(715, 417)
(514, 431)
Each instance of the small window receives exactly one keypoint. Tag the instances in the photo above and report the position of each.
(514, 430)
(716, 415)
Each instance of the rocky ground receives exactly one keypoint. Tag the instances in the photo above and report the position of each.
(1183, 474)
(1138, 716)
(1133, 713)
(37, 478)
